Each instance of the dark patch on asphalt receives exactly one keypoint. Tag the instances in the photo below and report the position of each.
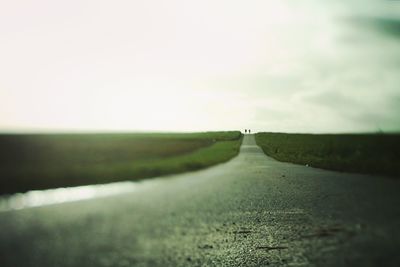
(206, 246)
(268, 248)
(326, 231)
(242, 232)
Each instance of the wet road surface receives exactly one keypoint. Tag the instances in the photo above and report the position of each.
(251, 211)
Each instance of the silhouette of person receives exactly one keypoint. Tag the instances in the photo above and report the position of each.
(249, 131)
(245, 130)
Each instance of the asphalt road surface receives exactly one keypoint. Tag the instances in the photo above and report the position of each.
(251, 211)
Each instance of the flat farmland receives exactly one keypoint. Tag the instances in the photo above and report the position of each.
(359, 153)
(37, 161)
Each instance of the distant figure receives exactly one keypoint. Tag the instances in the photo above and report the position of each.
(245, 130)
(249, 131)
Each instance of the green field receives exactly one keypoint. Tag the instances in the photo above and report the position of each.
(361, 153)
(38, 161)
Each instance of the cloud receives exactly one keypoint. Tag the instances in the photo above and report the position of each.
(382, 25)
(363, 114)
(333, 100)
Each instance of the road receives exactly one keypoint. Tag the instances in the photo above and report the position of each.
(250, 211)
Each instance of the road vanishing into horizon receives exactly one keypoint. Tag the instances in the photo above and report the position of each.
(250, 211)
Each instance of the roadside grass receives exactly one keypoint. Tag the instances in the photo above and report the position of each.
(29, 162)
(360, 153)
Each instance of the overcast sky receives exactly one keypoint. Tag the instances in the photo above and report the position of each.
(182, 65)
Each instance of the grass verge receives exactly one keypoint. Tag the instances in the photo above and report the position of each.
(29, 162)
(360, 153)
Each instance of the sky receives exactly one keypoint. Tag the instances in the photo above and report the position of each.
(180, 65)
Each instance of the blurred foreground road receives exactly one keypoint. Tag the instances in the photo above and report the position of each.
(251, 211)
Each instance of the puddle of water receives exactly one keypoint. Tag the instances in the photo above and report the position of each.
(38, 198)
